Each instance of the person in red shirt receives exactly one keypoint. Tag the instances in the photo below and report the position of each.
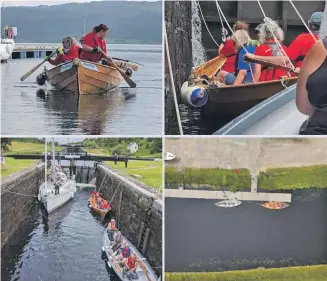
(268, 48)
(300, 46)
(94, 44)
(130, 265)
(227, 48)
(70, 51)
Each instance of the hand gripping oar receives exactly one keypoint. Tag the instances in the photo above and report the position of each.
(271, 64)
(128, 80)
(30, 72)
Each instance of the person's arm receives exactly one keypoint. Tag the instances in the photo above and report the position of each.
(277, 60)
(55, 61)
(310, 64)
(240, 77)
(257, 72)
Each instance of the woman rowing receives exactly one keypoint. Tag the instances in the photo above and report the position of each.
(94, 44)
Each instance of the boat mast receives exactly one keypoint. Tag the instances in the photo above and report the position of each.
(53, 162)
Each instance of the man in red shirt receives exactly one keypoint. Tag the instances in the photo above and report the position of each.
(69, 52)
(94, 44)
(269, 48)
(301, 44)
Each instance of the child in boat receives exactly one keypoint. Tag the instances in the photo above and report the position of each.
(125, 252)
(130, 265)
(70, 51)
(244, 71)
(111, 229)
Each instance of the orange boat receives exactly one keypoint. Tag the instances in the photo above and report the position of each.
(275, 205)
(101, 212)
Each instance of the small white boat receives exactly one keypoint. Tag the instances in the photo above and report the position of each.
(66, 187)
(229, 203)
(144, 272)
(169, 156)
(6, 48)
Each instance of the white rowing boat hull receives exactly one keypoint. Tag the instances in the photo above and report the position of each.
(6, 48)
(169, 156)
(228, 203)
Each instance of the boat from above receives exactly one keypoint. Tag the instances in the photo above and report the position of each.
(84, 77)
(169, 156)
(143, 272)
(99, 210)
(228, 203)
(7, 44)
(275, 205)
(57, 190)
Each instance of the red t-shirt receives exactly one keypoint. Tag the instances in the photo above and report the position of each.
(300, 47)
(268, 74)
(92, 40)
(229, 51)
(71, 55)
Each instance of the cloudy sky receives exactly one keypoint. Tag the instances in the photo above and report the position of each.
(8, 3)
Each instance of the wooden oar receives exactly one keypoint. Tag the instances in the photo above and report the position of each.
(270, 64)
(128, 80)
(30, 72)
(143, 267)
(128, 61)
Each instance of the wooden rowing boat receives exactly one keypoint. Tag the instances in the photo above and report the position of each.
(275, 205)
(84, 77)
(144, 271)
(223, 99)
(94, 207)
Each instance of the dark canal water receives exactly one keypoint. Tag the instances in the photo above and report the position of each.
(25, 110)
(203, 237)
(65, 246)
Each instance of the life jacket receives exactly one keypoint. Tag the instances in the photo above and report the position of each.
(237, 60)
(125, 251)
(131, 262)
(112, 225)
(275, 53)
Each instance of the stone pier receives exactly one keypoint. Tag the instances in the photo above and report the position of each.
(18, 191)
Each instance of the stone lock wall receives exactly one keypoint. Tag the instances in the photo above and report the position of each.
(14, 207)
(138, 213)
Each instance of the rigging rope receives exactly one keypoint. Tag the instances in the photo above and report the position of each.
(173, 84)
(273, 34)
(306, 26)
(18, 193)
(213, 39)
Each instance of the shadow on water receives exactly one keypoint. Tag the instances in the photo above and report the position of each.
(65, 246)
(203, 237)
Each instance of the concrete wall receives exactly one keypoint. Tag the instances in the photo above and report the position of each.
(14, 207)
(178, 18)
(254, 153)
(134, 207)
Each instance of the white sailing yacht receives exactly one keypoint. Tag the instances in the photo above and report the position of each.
(51, 198)
(7, 43)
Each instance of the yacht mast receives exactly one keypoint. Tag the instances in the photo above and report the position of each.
(53, 162)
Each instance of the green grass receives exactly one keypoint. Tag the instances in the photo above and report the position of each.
(29, 148)
(139, 153)
(214, 178)
(300, 273)
(151, 171)
(15, 165)
(294, 178)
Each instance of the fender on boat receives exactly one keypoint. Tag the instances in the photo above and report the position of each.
(194, 96)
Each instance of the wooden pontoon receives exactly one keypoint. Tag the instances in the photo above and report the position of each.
(84, 77)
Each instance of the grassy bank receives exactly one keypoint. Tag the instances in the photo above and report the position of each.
(139, 153)
(13, 166)
(150, 171)
(294, 178)
(215, 178)
(301, 273)
(29, 148)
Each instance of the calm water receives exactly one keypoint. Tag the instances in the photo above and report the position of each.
(28, 111)
(65, 246)
(203, 237)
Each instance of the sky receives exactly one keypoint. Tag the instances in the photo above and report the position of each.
(8, 3)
